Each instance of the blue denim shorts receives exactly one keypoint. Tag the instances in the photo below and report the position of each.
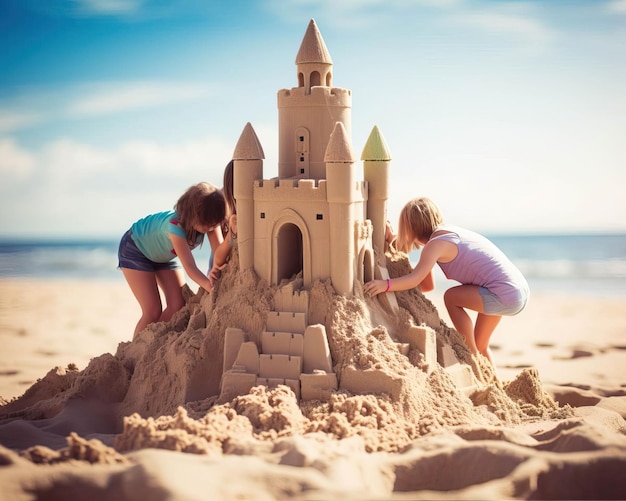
(130, 257)
(494, 306)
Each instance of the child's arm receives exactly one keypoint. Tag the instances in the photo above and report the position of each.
(420, 276)
(222, 252)
(189, 263)
(428, 284)
(215, 238)
(219, 259)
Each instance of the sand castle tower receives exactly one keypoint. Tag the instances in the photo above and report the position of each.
(315, 221)
(316, 218)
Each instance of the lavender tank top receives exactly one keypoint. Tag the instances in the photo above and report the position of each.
(480, 262)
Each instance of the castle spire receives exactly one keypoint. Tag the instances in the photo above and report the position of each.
(313, 60)
(247, 168)
(248, 147)
(313, 49)
(376, 159)
(375, 148)
(339, 149)
(342, 194)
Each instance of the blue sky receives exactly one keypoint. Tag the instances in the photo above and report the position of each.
(511, 115)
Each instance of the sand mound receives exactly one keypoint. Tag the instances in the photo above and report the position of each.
(162, 391)
(178, 365)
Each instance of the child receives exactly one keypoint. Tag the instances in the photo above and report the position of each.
(148, 251)
(490, 284)
(222, 253)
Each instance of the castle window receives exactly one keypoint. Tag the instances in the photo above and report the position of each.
(301, 171)
(319, 217)
(302, 139)
(262, 215)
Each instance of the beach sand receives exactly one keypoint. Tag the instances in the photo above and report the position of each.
(552, 427)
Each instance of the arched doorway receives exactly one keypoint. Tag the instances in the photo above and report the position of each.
(365, 271)
(289, 252)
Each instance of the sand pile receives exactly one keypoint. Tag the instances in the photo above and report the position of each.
(162, 391)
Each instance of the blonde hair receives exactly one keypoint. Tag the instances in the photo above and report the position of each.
(419, 219)
(202, 204)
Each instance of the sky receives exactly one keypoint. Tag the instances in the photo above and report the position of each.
(510, 115)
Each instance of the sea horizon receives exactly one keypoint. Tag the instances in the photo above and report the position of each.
(570, 263)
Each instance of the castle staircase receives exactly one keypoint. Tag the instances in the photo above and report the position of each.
(289, 352)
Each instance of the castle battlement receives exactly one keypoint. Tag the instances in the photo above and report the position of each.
(333, 96)
(293, 189)
(290, 190)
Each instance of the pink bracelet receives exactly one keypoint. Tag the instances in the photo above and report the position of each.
(388, 285)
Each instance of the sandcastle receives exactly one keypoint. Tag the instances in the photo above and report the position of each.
(315, 221)
(286, 347)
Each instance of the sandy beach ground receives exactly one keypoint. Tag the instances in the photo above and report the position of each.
(570, 339)
(48, 323)
(577, 344)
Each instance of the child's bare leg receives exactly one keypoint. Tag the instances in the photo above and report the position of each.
(143, 285)
(171, 282)
(457, 299)
(485, 325)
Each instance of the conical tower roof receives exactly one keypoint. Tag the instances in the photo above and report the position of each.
(313, 49)
(339, 149)
(248, 147)
(376, 147)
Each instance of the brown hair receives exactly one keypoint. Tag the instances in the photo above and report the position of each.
(202, 204)
(228, 188)
(419, 219)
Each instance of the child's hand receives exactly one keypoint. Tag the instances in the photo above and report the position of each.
(374, 287)
(216, 272)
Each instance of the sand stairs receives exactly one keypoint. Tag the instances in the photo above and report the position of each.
(425, 340)
(289, 352)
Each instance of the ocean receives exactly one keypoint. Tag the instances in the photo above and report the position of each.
(573, 264)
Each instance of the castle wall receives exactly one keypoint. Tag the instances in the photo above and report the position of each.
(279, 203)
(318, 112)
(377, 174)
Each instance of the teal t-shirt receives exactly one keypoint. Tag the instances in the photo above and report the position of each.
(151, 235)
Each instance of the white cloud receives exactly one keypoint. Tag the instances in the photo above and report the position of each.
(503, 18)
(69, 163)
(10, 121)
(509, 20)
(15, 162)
(34, 106)
(352, 13)
(126, 10)
(67, 159)
(108, 6)
(618, 6)
(107, 98)
(71, 187)
(202, 159)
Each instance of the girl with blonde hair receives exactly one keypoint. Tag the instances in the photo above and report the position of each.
(490, 283)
